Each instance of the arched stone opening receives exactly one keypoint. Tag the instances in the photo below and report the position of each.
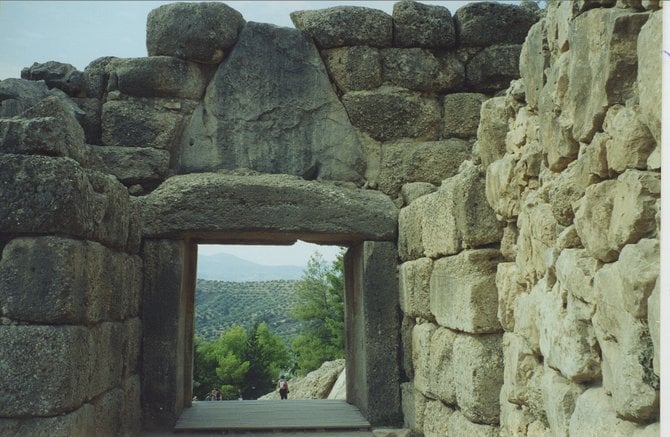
(217, 208)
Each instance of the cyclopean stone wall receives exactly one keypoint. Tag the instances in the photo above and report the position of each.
(521, 149)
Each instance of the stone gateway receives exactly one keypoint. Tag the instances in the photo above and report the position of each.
(494, 173)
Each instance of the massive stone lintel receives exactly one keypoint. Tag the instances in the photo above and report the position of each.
(273, 208)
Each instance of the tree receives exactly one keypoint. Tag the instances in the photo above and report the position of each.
(321, 310)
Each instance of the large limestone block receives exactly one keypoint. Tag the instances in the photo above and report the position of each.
(90, 119)
(503, 192)
(406, 162)
(46, 369)
(492, 130)
(565, 190)
(422, 70)
(487, 23)
(346, 26)
(648, 80)
(460, 425)
(436, 419)
(493, 68)
(17, 95)
(140, 122)
(514, 420)
(462, 216)
(631, 142)
(270, 107)
(107, 340)
(463, 294)
(44, 195)
(614, 213)
(394, 113)
(157, 76)
(200, 32)
(418, 25)
(78, 422)
(56, 75)
(522, 367)
(96, 76)
(421, 335)
(567, 342)
(524, 129)
(654, 323)
(415, 287)
(603, 66)
(413, 190)
(526, 315)
(461, 114)
(478, 376)
(58, 280)
(509, 288)
(594, 416)
(354, 68)
(406, 327)
(277, 204)
(413, 406)
(537, 234)
(575, 271)
(559, 395)
(534, 59)
(442, 365)
(131, 165)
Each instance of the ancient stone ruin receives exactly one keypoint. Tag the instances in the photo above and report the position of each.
(495, 175)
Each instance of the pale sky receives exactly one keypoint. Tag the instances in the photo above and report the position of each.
(296, 255)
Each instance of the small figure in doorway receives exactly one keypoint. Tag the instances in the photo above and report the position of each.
(282, 385)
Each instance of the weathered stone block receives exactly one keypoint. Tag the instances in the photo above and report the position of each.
(575, 271)
(522, 366)
(55, 195)
(346, 26)
(90, 119)
(56, 280)
(144, 122)
(78, 422)
(158, 76)
(615, 213)
(410, 228)
(479, 376)
(442, 365)
(537, 234)
(493, 68)
(460, 425)
(492, 130)
(431, 162)
(523, 131)
(436, 418)
(413, 406)
(178, 206)
(649, 42)
(131, 416)
(393, 113)
(56, 75)
(526, 315)
(418, 25)
(272, 113)
(485, 24)
(421, 335)
(200, 32)
(631, 142)
(96, 77)
(503, 192)
(509, 289)
(413, 190)
(654, 323)
(45, 369)
(415, 288)
(594, 415)
(17, 95)
(559, 396)
(514, 419)
(108, 408)
(463, 294)
(461, 114)
(406, 328)
(131, 165)
(422, 70)
(354, 68)
(508, 241)
(603, 66)
(534, 59)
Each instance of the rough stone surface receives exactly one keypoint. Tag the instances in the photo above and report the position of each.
(492, 130)
(479, 376)
(534, 59)
(346, 26)
(493, 68)
(631, 142)
(41, 281)
(78, 422)
(317, 384)
(414, 278)
(461, 114)
(140, 122)
(537, 233)
(413, 190)
(654, 323)
(17, 95)
(559, 396)
(56, 75)
(256, 204)
(405, 162)
(463, 293)
(158, 76)
(284, 117)
(508, 288)
(96, 77)
(131, 165)
(393, 113)
(413, 406)
(442, 364)
(200, 32)
(522, 366)
(354, 68)
(648, 79)
(419, 25)
(460, 425)
(436, 418)
(421, 335)
(487, 23)
(594, 414)
(422, 70)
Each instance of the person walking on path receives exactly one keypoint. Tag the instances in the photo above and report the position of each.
(282, 385)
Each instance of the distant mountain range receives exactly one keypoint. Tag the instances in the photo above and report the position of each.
(226, 267)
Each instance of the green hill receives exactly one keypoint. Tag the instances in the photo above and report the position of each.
(220, 305)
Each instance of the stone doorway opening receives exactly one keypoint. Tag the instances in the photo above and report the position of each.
(271, 311)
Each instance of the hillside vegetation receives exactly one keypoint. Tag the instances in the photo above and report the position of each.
(221, 305)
